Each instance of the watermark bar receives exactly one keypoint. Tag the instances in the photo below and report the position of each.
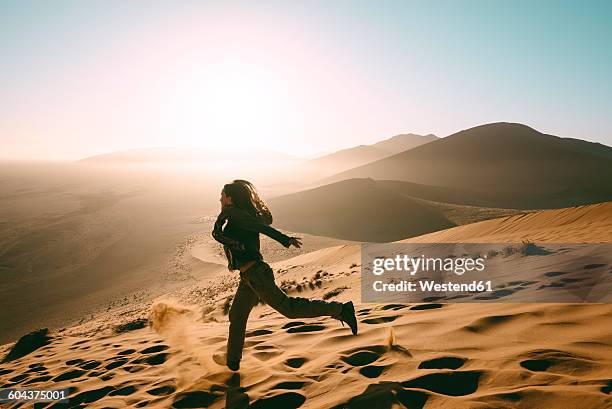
(33, 395)
(485, 272)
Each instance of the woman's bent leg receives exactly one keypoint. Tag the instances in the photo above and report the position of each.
(260, 278)
(244, 301)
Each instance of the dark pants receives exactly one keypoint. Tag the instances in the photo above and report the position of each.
(257, 283)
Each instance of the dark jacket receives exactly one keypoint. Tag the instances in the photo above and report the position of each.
(240, 236)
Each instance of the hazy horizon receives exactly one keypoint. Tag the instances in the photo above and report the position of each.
(80, 80)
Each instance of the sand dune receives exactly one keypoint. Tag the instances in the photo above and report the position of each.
(411, 355)
(369, 210)
(356, 209)
(512, 164)
(582, 224)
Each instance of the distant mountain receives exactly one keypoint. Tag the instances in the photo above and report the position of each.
(362, 154)
(511, 164)
(356, 209)
(403, 142)
(188, 155)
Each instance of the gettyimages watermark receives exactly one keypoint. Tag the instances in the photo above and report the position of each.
(485, 272)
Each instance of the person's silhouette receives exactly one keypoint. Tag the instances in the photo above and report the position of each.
(243, 216)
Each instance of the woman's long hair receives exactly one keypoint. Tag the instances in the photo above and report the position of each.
(244, 196)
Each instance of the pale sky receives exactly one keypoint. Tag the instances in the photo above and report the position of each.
(81, 78)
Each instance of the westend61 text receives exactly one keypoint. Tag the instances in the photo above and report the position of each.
(432, 286)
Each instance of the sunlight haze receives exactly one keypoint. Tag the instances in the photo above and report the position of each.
(300, 78)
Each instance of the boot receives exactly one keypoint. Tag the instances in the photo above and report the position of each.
(348, 315)
(233, 365)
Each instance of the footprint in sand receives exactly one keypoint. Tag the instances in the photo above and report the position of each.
(536, 365)
(264, 347)
(295, 362)
(363, 311)
(264, 355)
(253, 342)
(515, 283)
(381, 320)
(361, 358)
(212, 340)
(61, 405)
(74, 361)
(592, 266)
(555, 273)
(36, 367)
(44, 378)
(386, 395)
(133, 368)
(72, 374)
(290, 385)
(89, 396)
(447, 362)
(497, 294)
(550, 360)
(153, 349)
(162, 388)
(258, 333)
(372, 371)
(195, 399)
(482, 325)
(431, 299)
(394, 307)
(455, 297)
(306, 328)
(116, 363)
(96, 374)
(19, 378)
(421, 307)
(455, 383)
(152, 357)
(152, 360)
(288, 400)
(89, 364)
(554, 284)
(607, 388)
(124, 391)
(293, 324)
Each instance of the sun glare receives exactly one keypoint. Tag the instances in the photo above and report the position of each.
(234, 104)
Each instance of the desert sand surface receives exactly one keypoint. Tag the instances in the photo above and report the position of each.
(581, 224)
(414, 355)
